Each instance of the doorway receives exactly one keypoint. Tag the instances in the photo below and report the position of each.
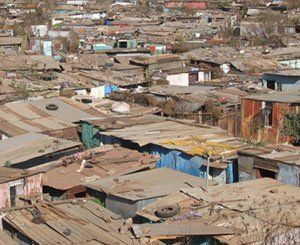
(264, 173)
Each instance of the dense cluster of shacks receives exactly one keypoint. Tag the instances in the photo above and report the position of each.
(149, 122)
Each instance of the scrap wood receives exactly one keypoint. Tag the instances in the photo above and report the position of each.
(178, 229)
(61, 213)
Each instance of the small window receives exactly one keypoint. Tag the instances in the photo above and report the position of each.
(279, 86)
(86, 101)
(271, 84)
(268, 114)
(13, 193)
(123, 44)
(263, 173)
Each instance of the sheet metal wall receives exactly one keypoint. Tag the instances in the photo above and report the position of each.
(272, 135)
(126, 208)
(177, 160)
(289, 174)
(288, 82)
(31, 185)
(193, 165)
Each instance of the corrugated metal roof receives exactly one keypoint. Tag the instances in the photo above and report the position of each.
(10, 41)
(191, 228)
(28, 146)
(258, 204)
(5, 238)
(193, 140)
(22, 117)
(279, 153)
(68, 112)
(282, 97)
(79, 222)
(148, 184)
(106, 162)
(9, 174)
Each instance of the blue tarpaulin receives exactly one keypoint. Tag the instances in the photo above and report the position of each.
(90, 136)
(109, 89)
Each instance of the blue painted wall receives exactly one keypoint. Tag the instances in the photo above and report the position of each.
(288, 82)
(289, 174)
(177, 160)
(193, 165)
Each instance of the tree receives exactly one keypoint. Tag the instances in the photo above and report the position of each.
(291, 126)
(74, 42)
(180, 45)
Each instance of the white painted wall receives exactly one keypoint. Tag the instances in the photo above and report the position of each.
(201, 77)
(294, 63)
(39, 30)
(181, 79)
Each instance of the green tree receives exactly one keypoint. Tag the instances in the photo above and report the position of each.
(74, 42)
(291, 126)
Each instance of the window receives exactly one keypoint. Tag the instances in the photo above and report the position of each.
(123, 44)
(13, 193)
(264, 173)
(268, 114)
(271, 84)
(279, 86)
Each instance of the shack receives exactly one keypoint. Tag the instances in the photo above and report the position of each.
(282, 80)
(279, 162)
(12, 44)
(80, 221)
(67, 179)
(263, 116)
(19, 186)
(181, 146)
(249, 210)
(55, 117)
(158, 63)
(33, 149)
(127, 194)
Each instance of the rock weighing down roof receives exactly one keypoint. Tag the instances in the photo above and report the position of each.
(29, 146)
(105, 161)
(253, 209)
(148, 184)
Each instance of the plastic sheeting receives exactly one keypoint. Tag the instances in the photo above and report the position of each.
(109, 89)
(90, 136)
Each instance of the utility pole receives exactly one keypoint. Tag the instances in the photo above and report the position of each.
(207, 172)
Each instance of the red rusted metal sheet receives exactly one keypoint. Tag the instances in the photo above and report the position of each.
(270, 134)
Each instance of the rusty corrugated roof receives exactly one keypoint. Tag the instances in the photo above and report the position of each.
(104, 162)
(78, 222)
